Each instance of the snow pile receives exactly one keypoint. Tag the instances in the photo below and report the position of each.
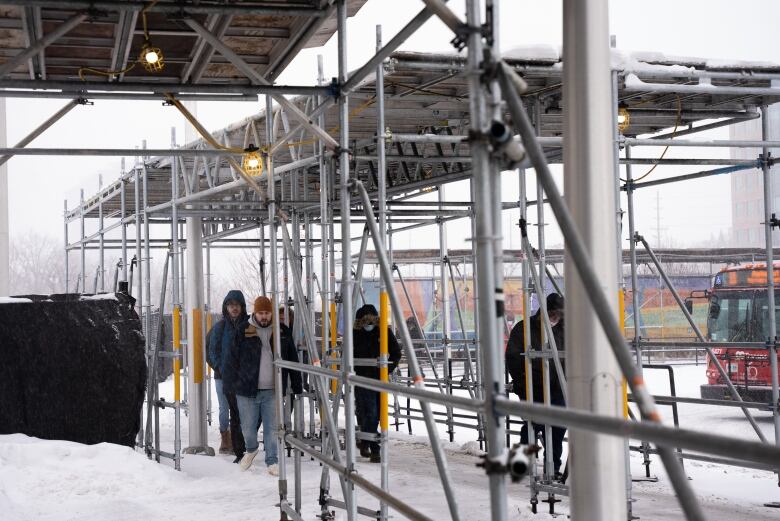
(534, 53)
(14, 300)
(648, 63)
(100, 296)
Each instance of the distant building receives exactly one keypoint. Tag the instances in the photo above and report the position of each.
(747, 187)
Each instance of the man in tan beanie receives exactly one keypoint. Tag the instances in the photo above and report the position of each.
(255, 383)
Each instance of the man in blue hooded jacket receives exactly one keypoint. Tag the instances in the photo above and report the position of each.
(221, 343)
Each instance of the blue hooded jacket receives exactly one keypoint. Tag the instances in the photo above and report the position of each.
(222, 341)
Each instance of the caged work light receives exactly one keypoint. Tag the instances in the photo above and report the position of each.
(151, 57)
(252, 162)
(623, 118)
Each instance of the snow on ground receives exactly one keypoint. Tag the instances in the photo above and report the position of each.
(57, 480)
(14, 300)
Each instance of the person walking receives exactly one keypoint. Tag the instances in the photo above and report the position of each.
(220, 346)
(255, 381)
(365, 339)
(515, 365)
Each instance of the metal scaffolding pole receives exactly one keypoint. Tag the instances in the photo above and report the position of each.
(67, 251)
(101, 251)
(406, 341)
(176, 307)
(491, 298)
(122, 219)
(769, 224)
(636, 315)
(445, 314)
(346, 276)
(146, 275)
(381, 143)
(83, 258)
(594, 376)
(137, 273)
(277, 345)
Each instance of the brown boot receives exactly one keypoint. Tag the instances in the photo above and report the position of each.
(224, 444)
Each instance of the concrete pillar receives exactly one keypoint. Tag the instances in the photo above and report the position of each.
(598, 464)
(5, 252)
(196, 342)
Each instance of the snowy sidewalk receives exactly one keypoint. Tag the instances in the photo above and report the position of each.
(58, 480)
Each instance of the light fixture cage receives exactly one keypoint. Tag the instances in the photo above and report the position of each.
(155, 66)
(624, 119)
(252, 162)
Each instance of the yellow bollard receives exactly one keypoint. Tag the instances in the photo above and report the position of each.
(334, 384)
(622, 315)
(383, 353)
(177, 350)
(208, 329)
(197, 346)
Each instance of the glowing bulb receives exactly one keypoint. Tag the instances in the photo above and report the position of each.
(253, 162)
(623, 118)
(151, 57)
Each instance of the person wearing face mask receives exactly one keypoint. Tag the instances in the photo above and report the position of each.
(365, 339)
(255, 385)
(515, 366)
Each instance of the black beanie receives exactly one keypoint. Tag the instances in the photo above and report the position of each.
(554, 302)
(367, 309)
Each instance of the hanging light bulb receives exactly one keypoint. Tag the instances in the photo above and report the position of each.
(252, 162)
(151, 57)
(623, 118)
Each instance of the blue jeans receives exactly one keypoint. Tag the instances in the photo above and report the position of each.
(367, 412)
(224, 423)
(262, 406)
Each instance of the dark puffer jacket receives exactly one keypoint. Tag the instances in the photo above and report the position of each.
(222, 342)
(247, 360)
(366, 345)
(515, 361)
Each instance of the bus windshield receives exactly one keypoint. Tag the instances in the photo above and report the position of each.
(740, 316)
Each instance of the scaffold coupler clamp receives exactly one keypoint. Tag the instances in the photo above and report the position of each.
(334, 88)
(767, 160)
(523, 224)
(774, 222)
(637, 238)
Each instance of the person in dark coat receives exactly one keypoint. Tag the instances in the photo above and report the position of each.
(515, 365)
(365, 339)
(221, 342)
(255, 382)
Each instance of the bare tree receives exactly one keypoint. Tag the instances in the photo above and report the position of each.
(37, 265)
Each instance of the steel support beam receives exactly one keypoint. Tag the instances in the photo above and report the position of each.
(42, 128)
(176, 7)
(41, 44)
(257, 78)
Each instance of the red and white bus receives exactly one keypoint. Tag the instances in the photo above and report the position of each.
(738, 312)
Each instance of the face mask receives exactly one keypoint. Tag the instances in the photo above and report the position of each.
(369, 328)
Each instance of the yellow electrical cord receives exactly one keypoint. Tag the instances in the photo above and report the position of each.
(666, 149)
(130, 67)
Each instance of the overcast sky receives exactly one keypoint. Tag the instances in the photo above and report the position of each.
(715, 29)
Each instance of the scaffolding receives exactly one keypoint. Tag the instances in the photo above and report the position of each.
(358, 151)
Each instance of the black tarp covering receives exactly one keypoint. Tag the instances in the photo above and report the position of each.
(72, 368)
